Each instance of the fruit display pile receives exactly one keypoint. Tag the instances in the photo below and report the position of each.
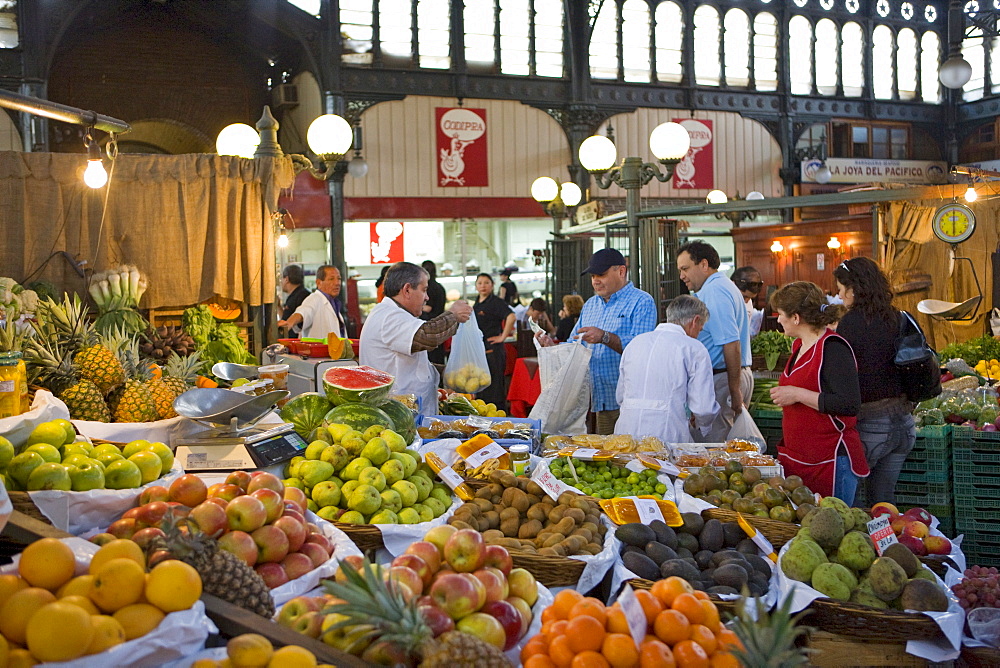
(456, 403)
(515, 513)
(713, 556)
(367, 478)
(310, 413)
(49, 613)
(912, 529)
(842, 564)
(604, 480)
(253, 649)
(55, 458)
(741, 489)
(682, 628)
(979, 588)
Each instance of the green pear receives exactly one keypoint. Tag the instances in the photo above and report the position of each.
(353, 470)
(365, 499)
(336, 455)
(339, 431)
(385, 517)
(377, 451)
(437, 508)
(292, 467)
(413, 453)
(312, 472)
(373, 431)
(294, 482)
(354, 442)
(409, 516)
(395, 442)
(442, 494)
(347, 488)
(391, 501)
(408, 462)
(312, 505)
(315, 449)
(352, 517)
(326, 493)
(424, 486)
(372, 476)
(426, 514)
(330, 513)
(407, 493)
(393, 470)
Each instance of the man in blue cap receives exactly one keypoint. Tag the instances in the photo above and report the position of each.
(616, 314)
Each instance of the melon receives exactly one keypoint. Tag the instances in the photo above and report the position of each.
(305, 412)
(359, 416)
(402, 417)
(364, 384)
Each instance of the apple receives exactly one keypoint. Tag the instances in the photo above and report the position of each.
(509, 618)
(272, 574)
(916, 545)
(272, 543)
(150, 514)
(246, 513)
(297, 607)
(262, 480)
(316, 553)
(242, 545)
(297, 496)
(158, 556)
(495, 583)
(937, 545)
(294, 530)
(273, 503)
(439, 535)
(915, 528)
(456, 594)
(210, 518)
(296, 565)
(418, 565)
(239, 478)
(297, 516)
(427, 551)
(102, 538)
(522, 584)
(154, 493)
(920, 515)
(309, 624)
(356, 562)
(188, 489)
(465, 550)
(131, 513)
(436, 618)
(484, 627)
(313, 528)
(884, 508)
(899, 524)
(444, 570)
(220, 502)
(407, 576)
(123, 528)
(223, 490)
(525, 610)
(322, 541)
(143, 537)
(498, 557)
(480, 588)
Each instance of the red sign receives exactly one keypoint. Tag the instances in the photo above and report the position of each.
(386, 242)
(697, 170)
(461, 147)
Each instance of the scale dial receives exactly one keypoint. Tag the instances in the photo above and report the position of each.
(954, 223)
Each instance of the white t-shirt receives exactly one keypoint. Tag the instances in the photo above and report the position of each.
(756, 318)
(319, 318)
(386, 340)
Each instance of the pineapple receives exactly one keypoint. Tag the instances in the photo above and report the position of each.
(132, 402)
(223, 574)
(86, 402)
(93, 360)
(372, 610)
(769, 639)
(181, 372)
(51, 367)
(98, 364)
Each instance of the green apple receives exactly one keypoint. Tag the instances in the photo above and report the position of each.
(6, 452)
(106, 453)
(86, 475)
(135, 446)
(165, 454)
(74, 449)
(76, 459)
(51, 432)
(149, 464)
(122, 474)
(22, 465)
(68, 429)
(49, 453)
(87, 446)
(100, 463)
(49, 476)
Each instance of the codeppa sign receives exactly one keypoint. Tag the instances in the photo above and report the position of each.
(864, 170)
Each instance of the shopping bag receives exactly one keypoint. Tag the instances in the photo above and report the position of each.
(565, 398)
(467, 369)
(745, 429)
(995, 321)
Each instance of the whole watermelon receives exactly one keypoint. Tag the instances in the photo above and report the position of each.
(402, 417)
(359, 416)
(305, 412)
(346, 384)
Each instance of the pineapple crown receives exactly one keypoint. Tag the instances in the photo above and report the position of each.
(65, 322)
(179, 543)
(769, 638)
(125, 346)
(185, 368)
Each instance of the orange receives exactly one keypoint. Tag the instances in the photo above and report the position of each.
(536, 645)
(711, 616)
(616, 620)
(728, 640)
(47, 563)
(249, 649)
(59, 631)
(4, 651)
(558, 629)
(690, 607)
(82, 602)
(650, 605)
(18, 609)
(669, 589)
(78, 586)
(173, 585)
(20, 658)
(723, 660)
(292, 656)
(620, 650)
(108, 632)
(539, 661)
(10, 584)
(589, 659)
(689, 654)
(701, 595)
(120, 548)
(704, 637)
(672, 627)
(564, 602)
(592, 607)
(118, 583)
(138, 619)
(560, 652)
(585, 633)
(549, 614)
(654, 654)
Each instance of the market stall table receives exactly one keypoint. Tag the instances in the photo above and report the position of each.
(525, 386)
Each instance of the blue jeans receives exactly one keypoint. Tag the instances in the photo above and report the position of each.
(846, 483)
(888, 439)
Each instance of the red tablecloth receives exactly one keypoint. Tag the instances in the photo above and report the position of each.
(511, 358)
(525, 386)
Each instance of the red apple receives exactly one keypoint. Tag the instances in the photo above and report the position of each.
(884, 508)
(484, 627)
(509, 618)
(916, 528)
(456, 595)
(436, 618)
(154, 493)
(273, 503)
(262, 480)
(315, 552)
(123, 528)
(310, 624)
(403, 589)
(937, 545)
(143, 537)
(242, 545)
(291, 512)
(297, 607)
(898, 524)
(210, 518)
(150, 514)
(920, 515)
(427, 551)
(915, 544)
(222, 503)
(322, 541)
(522, 584)
(294, 531)
(407, 576)
(525, 610)
(158, 556)
(494, 583)
(239, 478)
(102, 538)
(272, 574)
(439, 535)
(131, 513)
(498, 557)
(444, 570)
(188, 489)
(272, 544)
(296, 495)
(296, 564)
(314, 528)
(480, 588)
(356, 562)
(417, 564)
(465, 551)
(246, 513)
(224, 490)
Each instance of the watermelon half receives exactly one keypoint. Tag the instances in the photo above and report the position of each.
(359, 416)
(305, 412)
(402, 417)
(347, 384)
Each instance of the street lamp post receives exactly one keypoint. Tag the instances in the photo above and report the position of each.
(735, 217)
(556, 199)
(669, 142)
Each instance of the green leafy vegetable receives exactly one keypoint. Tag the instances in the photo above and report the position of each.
(983, 348)
(771, 345)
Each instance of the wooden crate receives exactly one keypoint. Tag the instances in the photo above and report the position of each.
(840, 651)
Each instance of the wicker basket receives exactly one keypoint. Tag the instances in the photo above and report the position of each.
(549, 571)
(22, 503)
(723, 606)
(366, 536)
(860, 621)
(778, 533)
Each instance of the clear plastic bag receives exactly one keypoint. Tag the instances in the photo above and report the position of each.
(467, 369)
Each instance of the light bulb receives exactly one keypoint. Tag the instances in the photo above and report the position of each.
(282, 240)
(754, 195)
(971, 195)
(570, 193)
(669, 141)
(598, 153)
(237, 139)
(822, 175)
(716, 197)
(833, 243)
(544, 189)
(955, 72)
(357, 167)
(776, 247)
(95, 175)
(329, 134)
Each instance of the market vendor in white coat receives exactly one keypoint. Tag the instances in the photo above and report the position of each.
(395, 339)
(666, 373)
(321, 312)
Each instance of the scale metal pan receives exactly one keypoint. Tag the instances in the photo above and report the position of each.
(949, 310)
(231, 371)
(219, 406)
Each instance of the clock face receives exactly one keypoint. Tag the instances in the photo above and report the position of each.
(954, 223)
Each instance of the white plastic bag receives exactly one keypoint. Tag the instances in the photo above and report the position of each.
(565, 398)
(45, 407)
(745, 429)
(467, 369)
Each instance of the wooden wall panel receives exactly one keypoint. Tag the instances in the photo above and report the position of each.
(10, 138)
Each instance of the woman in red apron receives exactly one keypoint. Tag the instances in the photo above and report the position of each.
(819, 394)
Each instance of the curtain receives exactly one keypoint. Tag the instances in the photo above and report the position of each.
(197, 225)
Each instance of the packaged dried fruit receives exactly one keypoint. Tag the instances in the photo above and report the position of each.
(624, 511)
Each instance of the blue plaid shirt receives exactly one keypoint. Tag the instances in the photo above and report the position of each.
(627, 314)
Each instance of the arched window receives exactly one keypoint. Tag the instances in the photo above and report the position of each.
(706, 46)
(434, 33)
(995, 65)
(549, 38)
(356, 25)
(395, 28)
(737, 48)
(972, 51)
(882, 71)
(669, 36)
(906, 64)
(635, 40)
(852, 51)
(604, 43)
(826, 57)
(514, 45)
(480, 41)
(930, 52)
(800, 43)
(765, 51)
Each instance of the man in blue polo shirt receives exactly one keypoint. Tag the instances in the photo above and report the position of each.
(726, 334)
(616, 314)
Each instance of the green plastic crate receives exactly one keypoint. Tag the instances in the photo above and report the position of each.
(764, 414)
(923, 494)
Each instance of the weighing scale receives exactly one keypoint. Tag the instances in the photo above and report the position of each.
(236, 441)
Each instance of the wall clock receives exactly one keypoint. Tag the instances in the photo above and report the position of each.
(954, 223)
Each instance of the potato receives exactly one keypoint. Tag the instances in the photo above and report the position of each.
(509, 514)
(529, 529)
(484, 493)
(553, 540)
(492, 536)
(507, 498)
(557, 513)
(565, 526)
(484, 505)
(493, 519)
(509, 527)
(576, 514)
(535, 488)
(509, 543)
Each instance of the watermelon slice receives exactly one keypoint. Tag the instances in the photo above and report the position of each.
(364, 384)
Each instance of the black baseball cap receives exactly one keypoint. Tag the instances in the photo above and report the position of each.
(603, 260)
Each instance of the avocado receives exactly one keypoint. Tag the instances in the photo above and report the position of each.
(659, 552)
(641, 565)
(693, 523)
(681, 569)
(923, 596)
(711, 537)
(687, 541)
(635, 534)
(731, 575)
(732, 534)
(664, 534)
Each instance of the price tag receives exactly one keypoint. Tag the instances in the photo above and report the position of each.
(548, 482)
(492, 450)
(881, 532)
(647, 509)
(586, 454)
(450, 478)
(634, 615)
(758, 539)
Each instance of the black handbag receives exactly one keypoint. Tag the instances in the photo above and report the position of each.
(919, 367)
